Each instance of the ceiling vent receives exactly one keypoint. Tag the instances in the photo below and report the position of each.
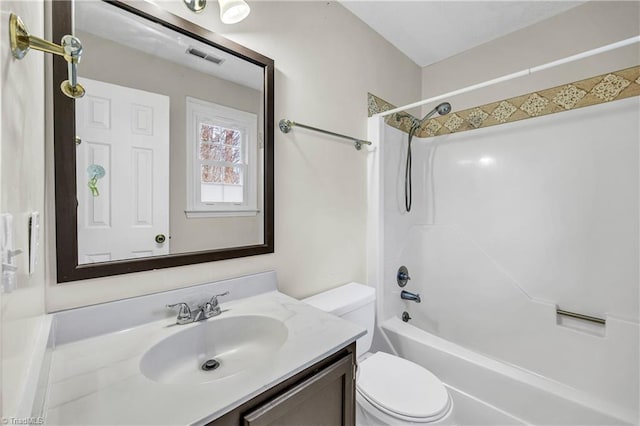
(205, 56)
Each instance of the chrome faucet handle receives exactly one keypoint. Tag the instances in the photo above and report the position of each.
(184, 313)
(403, 276)
(212, 307)
(214, 299)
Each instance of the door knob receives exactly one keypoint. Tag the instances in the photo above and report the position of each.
(160, 238)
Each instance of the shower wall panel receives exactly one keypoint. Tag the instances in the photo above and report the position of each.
(512, 221)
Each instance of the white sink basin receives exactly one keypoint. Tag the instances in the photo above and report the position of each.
(236, 343)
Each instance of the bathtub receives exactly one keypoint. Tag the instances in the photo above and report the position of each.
(490, 392)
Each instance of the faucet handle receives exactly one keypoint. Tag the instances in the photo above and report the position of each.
(212, 307)
(184, 313)
(403, 276)
(214, 298)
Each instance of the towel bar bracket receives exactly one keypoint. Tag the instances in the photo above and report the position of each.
(70, 48)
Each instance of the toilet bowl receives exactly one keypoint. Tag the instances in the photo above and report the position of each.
(389, 390)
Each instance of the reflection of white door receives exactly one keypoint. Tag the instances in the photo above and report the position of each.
(126, 131)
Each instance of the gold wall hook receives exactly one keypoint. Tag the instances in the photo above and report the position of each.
(71, 49)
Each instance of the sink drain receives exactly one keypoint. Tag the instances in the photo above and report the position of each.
(210, 364)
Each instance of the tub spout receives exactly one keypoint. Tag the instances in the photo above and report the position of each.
(407, 295)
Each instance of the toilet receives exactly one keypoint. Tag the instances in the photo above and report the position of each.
(389, 390)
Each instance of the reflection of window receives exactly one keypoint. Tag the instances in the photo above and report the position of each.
(221, 167)
(221, 160)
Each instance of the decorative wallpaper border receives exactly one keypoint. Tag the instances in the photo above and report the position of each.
(591, 91)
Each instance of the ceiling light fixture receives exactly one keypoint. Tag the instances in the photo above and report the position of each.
(233, 11)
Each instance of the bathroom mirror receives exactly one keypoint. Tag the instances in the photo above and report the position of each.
(168, 158)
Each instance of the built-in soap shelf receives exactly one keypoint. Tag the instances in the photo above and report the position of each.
(581, 322)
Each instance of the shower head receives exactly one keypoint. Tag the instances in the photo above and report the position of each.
(442, 109)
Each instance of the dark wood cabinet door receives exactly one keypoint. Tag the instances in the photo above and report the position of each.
(326, 398)
(323, 394)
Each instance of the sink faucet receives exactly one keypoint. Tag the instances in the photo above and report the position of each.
(187, 315)
(407, 295)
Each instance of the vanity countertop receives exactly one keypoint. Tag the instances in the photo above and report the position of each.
(98, 380)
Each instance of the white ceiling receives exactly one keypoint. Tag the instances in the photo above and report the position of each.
(429, 31)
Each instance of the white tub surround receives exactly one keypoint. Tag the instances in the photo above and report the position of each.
(504, 393)
(98, 380)
(509, 224)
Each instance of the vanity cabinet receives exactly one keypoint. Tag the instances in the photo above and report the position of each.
(323, 394)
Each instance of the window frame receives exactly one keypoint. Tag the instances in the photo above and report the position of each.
(201, 111)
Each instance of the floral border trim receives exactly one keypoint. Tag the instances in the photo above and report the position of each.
(591, 91)
(377, 105)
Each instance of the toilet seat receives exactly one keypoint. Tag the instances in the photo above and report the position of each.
(402, 389)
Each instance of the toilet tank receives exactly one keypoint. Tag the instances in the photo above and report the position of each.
(352, 302)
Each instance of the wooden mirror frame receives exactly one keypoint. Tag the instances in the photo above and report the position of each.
(68, 268)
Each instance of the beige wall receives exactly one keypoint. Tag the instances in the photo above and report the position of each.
(21, 192)
(326, 62)
(132, 68)
(591, 25)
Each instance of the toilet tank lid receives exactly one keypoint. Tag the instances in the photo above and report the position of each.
(343, 299)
